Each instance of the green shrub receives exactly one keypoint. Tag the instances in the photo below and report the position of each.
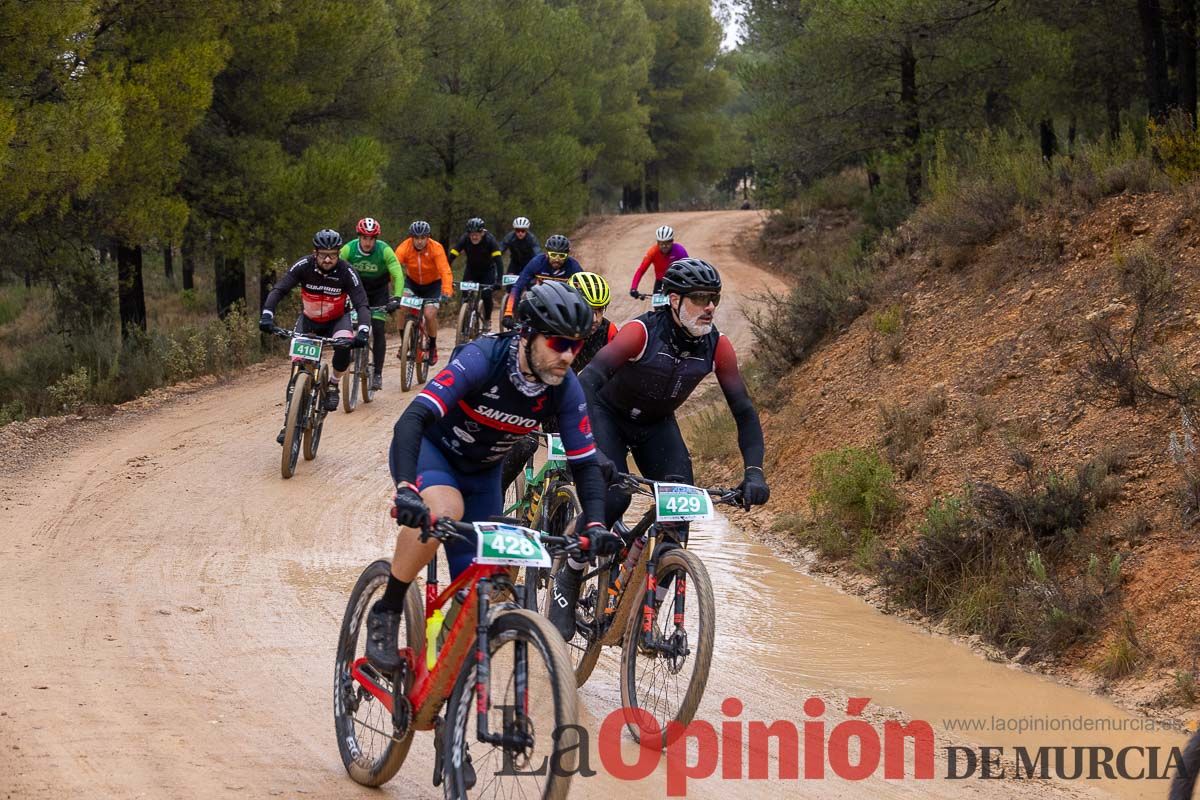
(853, 486)
(1119, 658)
(12, 302)
(1177, 146)
(69, 392)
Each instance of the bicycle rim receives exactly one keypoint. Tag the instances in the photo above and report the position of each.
(350, 387)
(462, 331)
(669, 689)
(422, 355)
(367, 372)
(408, 355)
(294, 423)
(514, 636)
(312, 433)
(370, 752)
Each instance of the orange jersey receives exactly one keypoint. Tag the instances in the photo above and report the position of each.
(426, 266)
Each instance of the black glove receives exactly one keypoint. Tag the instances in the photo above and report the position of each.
(634, 294)
(754, 488)
(392, 305)
(360, 338)
(444, 299)
(608, 470)
(411, 510)
(602, 541)
(507, 323)
(266, 323)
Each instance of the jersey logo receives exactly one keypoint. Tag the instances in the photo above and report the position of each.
(493, 393)
(460, 433)
(445, 378)
(506, 417)
(585, 426)
(541, 401)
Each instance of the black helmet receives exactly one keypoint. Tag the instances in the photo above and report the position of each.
(558, 244)
(419, 228)
(555, 309)
(327, 239)
(474, 225)
(689, 275)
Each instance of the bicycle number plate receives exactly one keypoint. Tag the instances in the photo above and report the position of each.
(509, 545)
(658, 300)
(508, 280)
(469, 286)
(306, 349)
(555, 450)
(678, 502)
(410, 301)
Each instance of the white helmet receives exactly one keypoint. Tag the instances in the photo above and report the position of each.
(664, 234)
(521, 222)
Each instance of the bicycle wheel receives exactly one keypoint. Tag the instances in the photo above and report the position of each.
(515, 637)
(1184, 783)
(462, 330)
(421, 355)
(669, 685)
(295, 422)
(351, 381)
(408, 354)
(366, 371)
(582, 649)
(365, 733)
(316, 420)
(475, 327)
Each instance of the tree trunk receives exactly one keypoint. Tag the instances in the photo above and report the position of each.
(230, 269)
(169, 262)
(1154, 50)
(1071, 131)
(1113, 111)
(131, 294)
(28, 279)
(1186, 47)
(266, 279)
(1049, 140)
(911, 112)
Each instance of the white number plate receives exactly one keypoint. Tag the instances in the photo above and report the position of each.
(410, 301)
(306, 349)
(678, 502)
(555, 449)
(509, 545)
(508, 280)
(658, 300)
(469, 286)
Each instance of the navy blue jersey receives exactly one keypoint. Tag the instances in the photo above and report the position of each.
(481, 412)
(539, 269)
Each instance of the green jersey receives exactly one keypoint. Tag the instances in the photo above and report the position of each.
(374, 268)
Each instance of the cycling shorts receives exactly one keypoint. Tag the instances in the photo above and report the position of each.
(482, 498)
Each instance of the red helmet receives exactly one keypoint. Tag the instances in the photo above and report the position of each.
(368, 226)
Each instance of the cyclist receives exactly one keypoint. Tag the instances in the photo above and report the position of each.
(554, 264)
(595, 292)
(375, 262)
(635, 384)
(663, 254)
(428, 274)
(521, 245)
(483, 262)
(447, 445)
(326, 282)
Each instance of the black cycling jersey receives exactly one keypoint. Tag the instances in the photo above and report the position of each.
(521, 251)
(323, 294)
(483, 259)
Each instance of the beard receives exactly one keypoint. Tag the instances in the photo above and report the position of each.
(542, 368)
(691, 321)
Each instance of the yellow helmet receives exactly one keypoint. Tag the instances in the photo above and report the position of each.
(593, 288)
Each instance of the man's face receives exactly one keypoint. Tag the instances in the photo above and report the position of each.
(696, 312)
(665, 247)
(520, 232)
(475, 236)
(552, 357)
(419, 242)
(326, 259)
(597, 318)
(556, 259)
(366, 243)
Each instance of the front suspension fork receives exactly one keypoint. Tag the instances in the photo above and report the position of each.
(513, 736)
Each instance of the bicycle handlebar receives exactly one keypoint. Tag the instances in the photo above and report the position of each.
(444, 529)
(633, 485)
(338, 343)
(481, 287)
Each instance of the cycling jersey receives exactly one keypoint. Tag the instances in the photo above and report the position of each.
(322, 294)
(593, 343)
(521, 250)
(538, 270)
(660, 261)
(483, 259)
(376, 266)
(427, 265)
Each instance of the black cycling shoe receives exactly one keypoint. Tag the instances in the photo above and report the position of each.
(468, 770)
(279, 438)
(383, 635)
(332, 397)
(564, 599)
(376, 382)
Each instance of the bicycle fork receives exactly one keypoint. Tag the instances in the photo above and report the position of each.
(514, 735)
(668, 646)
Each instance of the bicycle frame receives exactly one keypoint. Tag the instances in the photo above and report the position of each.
(528, 505)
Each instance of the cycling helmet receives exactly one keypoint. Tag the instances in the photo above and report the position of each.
(664, 234)
(474, 225)
(522, 223)
(558, 244)
(327, 239)
(593, 288)
(367, 226)
(689, 275)
(555, 309)
(419, 228)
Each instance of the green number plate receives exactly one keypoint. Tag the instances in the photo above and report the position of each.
(503, 544)
(410, 301)
(658, 300)
(555, 450)
(678, 502)
(307, 349)
(508, 280)
(469, 286)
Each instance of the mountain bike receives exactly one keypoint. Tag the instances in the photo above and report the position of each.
(467, 644)
(470, 311)
(304, 412)
(414, 341)
(356, 381)
(1184, 783)
(666, 643)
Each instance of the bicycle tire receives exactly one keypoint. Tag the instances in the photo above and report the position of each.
(1183, 785)
(367, 371)
(422, 355)
(582, 651)
(700, 606)
(408, 354)
(462, 327)
(316, 422)
(475, 327)
(350, 383)
(348, 696)
(557, 689)
(294, 423)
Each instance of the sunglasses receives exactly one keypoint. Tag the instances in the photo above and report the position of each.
(702, 299)
(551, 254)
(561, 344)
(327, 256)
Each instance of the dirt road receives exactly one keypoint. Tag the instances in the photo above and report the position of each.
(169, 605)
